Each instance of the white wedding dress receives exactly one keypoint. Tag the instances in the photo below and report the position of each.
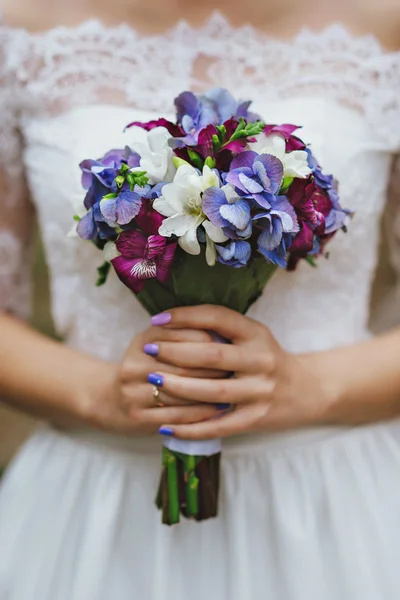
(304, 515)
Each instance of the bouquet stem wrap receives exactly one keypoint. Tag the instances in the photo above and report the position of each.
(189, 482)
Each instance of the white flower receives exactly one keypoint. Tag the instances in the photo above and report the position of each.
(295, 163)
(181, 202)
(156, 156)
(110, 251)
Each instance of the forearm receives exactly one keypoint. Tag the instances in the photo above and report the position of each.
(45, 378)
(362, 381)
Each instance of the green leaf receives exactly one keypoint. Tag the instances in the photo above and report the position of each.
(210, 162)
(196, 159)
(110, 196)
(286, 183)
(311, 261)
(103, 273)
(77, 218)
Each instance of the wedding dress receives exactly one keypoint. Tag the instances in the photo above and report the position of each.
(305, 515)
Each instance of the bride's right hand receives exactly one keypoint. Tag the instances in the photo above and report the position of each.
(126, 404)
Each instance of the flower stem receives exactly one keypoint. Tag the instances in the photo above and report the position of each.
(192, 486)
(170, 461)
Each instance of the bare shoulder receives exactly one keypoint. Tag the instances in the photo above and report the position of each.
(384, 20)
(40, 15)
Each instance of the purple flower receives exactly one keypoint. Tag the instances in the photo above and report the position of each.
(143, 257)
(98, 176)
(195, 113)
(227, 210)
(235, 254)
(226, 106)
(87, 228)
(93, 226)
(256, 176)
(279, 256)
(324, 181)
(276, 225)
(121, 209)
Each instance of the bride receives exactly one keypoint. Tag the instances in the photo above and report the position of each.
(310, 501)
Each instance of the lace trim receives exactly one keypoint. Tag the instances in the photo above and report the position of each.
(70, 65)
(15, 285)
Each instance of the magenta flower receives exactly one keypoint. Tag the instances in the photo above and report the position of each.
(143, 257)
(286, 131)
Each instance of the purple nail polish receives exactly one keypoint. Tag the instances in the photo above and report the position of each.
(223, 406)
(155, 379)
(161, 319)
(151, 349)
(166, 431)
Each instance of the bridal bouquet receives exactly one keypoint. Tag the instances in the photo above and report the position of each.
(203, 211)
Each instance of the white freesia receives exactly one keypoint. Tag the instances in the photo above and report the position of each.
(156, 156)
(295, 163)
(181, 202)
(110, 251)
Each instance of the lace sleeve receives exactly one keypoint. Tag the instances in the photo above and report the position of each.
(393, 235)
(16, 214)
(386, 294)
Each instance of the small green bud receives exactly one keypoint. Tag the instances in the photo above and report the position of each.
(196, 159)
(77, 218)
(123, 168)
(210, 162)
(120, 180)
(179, 162)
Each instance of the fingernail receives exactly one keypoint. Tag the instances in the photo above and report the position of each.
(161, 319)
(155, 379)
(223, 406)
(166, 431)
(151, 349)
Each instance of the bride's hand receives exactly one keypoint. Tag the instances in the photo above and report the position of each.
(270, 388)
(127, 404)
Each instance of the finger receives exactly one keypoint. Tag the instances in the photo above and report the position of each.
(176, 335)
(135, 368)
(217, 391)
(228, 323)
(143, 397)
(226, 357)
(243, 419)
(179, 415)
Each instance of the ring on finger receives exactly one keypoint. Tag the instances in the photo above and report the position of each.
(156, 395)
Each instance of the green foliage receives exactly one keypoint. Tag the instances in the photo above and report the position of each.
(103, 272)
(311, 261)
(286, 183)
(196, 159)
(193, 282)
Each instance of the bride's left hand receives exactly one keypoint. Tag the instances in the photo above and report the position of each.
(271, 389)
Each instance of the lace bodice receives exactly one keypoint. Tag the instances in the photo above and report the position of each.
(67, 94)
